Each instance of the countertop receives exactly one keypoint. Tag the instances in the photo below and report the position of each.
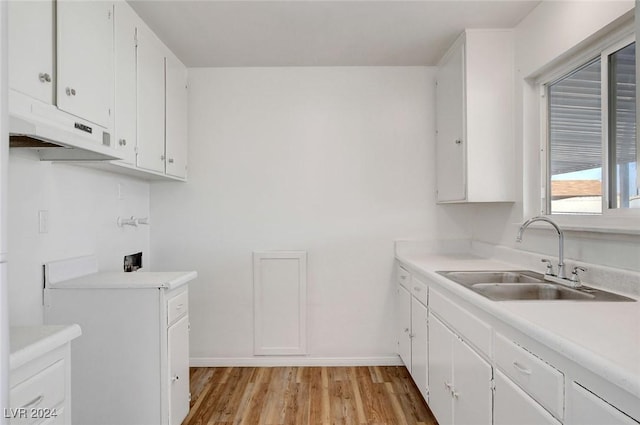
(603, 337)
(29, 342)
(140, 280)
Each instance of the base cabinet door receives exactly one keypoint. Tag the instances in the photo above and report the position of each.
(472, 395)
(403, 309)
(419, 346)
(512, 406)
(178, 360)
(440, 370)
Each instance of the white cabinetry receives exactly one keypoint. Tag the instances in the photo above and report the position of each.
(475, 136)
(460, 379)
(419, 346)
(586, 408)
(512, 406)
(126, 24)
(176, 117)
(31, 47)
(403, 310)
(136, 348)
(85, 59)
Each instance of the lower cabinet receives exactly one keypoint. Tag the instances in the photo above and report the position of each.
(419, 346)
(403, 312)
(512, 406)
(459, 379)
(178, 361)
(586, 408)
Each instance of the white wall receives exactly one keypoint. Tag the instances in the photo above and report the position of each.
(335, 161)
(83, 206)
(550, 31)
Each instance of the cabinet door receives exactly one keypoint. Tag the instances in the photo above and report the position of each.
(126, 22)
(150, 110)
(586, 408)
(450, 140)
(178, 358)
(403, 309)
(419, 346)
(85, 59)
(176, 118)
(31, 48)
(440, 370)
(512, 406)
(472, 394)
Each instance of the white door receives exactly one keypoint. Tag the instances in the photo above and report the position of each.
(512, 406)
(31, 48)
(586, 408)
(125, 81)
(85, 59)
(403, 311)
(178, 358)
(176, 119)
(472, 394)
(440, 370)
(450, 140)
(150, 97)
(419, 346)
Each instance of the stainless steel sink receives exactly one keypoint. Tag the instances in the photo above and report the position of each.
(525, 285)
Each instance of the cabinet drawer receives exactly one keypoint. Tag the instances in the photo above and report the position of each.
(404, 277)
(538, 378)
(177, 307)
(512, 406)
(44, 390)
(419, 290)
(469, 327)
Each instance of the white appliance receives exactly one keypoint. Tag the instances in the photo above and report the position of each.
(131, 366)
(4, 153)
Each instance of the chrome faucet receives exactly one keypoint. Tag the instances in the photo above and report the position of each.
(561, 273)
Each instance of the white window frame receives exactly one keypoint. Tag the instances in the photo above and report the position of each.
(616, 219)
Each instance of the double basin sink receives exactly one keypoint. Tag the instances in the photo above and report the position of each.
(525, 285)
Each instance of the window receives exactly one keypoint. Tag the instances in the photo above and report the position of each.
(592, 153)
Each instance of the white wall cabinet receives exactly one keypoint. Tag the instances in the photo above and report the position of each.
(85, 59)
(460, 379)
(125, 121)
(474, 119)
(176, 117)
(586, 408)
(31, 48)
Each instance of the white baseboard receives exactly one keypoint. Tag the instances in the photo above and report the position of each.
(272, 361)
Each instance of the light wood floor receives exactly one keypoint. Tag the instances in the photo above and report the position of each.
(306, 396)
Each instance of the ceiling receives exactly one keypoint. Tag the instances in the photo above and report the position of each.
(320, 33)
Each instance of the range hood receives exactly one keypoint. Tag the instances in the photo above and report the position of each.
(55, 134)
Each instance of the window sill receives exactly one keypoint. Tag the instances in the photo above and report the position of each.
(593, 224)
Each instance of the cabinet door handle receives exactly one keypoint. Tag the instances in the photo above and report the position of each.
(448, 386)
(36, 401)
(521, 368)
(44, 77)
(455, 394)
(122, 142)
(170, 160)
(70, 92)
(162, 157)
(175, 378)
(458, 141)
(179, 306)
(406, 330)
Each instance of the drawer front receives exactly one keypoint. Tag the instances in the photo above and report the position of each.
(43, 391)
(404, 278)
(177, 307)
(469, 327)
(538, 378)
(512, 406)
(419, 290)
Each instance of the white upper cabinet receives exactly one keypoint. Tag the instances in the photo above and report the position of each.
(31, 48)
(176, 117)
(126, 23)
(85, 59)
(475, 135)
(151, 103)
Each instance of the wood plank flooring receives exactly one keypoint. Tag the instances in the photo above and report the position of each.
(381, 395)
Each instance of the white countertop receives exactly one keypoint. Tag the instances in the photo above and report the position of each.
(603, 337)
(29, 342)
(140, 280)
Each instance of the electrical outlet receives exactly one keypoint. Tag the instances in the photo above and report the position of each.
(43, 221)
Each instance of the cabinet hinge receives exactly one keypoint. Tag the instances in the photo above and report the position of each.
(492, 385)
